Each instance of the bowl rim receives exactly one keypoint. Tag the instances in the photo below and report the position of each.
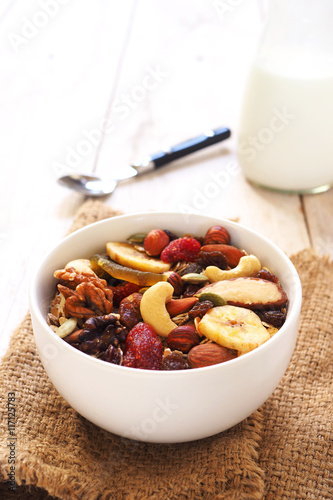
(36, 310)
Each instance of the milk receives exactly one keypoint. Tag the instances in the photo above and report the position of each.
(286, 126)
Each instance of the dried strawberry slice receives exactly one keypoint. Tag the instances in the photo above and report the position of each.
(143, 348)
(185, 249)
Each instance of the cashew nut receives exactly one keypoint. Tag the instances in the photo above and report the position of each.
(153, 310)
(248, 266)
(81, 266)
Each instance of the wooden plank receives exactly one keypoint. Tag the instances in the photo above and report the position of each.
(319, 215)
(203, 61)
(54, 88)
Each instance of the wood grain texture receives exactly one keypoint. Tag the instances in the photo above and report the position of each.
(96, 85)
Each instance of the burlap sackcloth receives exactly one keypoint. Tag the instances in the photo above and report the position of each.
(282, 451)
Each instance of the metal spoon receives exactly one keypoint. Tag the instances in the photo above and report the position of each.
(94, 186)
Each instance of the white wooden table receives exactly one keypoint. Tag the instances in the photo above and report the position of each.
(86, 86)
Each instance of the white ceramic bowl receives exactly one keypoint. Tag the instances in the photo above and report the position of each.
(163, 406)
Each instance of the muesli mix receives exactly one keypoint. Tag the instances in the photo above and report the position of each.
(161, 301)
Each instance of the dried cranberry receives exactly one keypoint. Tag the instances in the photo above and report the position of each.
(181, 249)
(143, 349)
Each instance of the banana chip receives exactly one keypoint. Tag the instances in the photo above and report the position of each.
(233, 327)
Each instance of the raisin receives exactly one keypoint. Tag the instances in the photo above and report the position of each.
(174, 361)
(191, 290)
(275, 318)
(200, 309)
(267, 275)
(192, 267)
(214, 258)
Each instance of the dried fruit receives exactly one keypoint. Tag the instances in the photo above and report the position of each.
(233, 327)
(209, 354)
(129, 310)
(123, 290)
(213, 258)
(141, 278)
(183, 338)
(200, 309)
(232, 254)
(143, 349)
(181, 249)
(126, 255)
(191, 290)
(174, 361)
(267, 275)
(217, 234)
(155, 241)
(253, 293)
(247, 266)
(275, 318)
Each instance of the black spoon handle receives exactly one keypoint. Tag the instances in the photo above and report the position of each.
(190, 146)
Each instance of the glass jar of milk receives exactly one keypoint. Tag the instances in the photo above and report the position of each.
(285, 137)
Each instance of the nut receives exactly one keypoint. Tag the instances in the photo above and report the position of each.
(217, 234)
(81, 266)
(88, 300)
(155, 241)
(195, 278)
(209, 354)
(183, 338)
(176, 282)
(153, 308)
(67, 327)
(248, 266)
(179, 306)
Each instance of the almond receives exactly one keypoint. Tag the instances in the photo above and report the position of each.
(183, 338)
(209, 354)
(179, 306)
